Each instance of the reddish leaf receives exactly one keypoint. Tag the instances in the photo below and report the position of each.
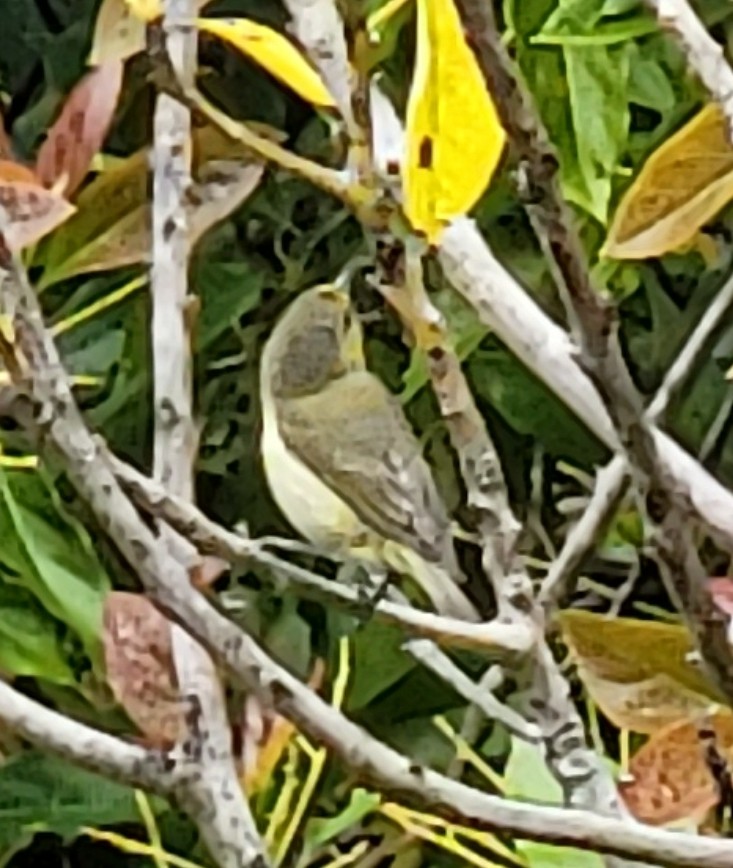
(140, 669)
(81, 127)
(721, 590)
(670, 780)
(30, 211)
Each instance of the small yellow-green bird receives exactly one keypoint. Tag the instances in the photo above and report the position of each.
(341, 461)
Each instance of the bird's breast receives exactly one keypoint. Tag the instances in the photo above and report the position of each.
(313, 509)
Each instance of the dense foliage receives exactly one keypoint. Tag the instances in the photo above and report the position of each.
(611, 89)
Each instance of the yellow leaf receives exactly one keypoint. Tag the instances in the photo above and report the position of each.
(145, 10)
(273, 52)
(383, 14)
(118, 33)
(684, 183)
(454, 138)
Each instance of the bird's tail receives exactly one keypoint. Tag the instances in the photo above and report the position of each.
(434, 579)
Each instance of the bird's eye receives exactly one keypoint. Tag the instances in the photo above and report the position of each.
(347, 320)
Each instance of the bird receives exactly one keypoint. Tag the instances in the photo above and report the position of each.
(341, 460)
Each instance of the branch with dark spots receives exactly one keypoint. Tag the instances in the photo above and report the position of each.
(41, 375)
(595, 325)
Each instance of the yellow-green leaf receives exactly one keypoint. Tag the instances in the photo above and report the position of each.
(118, 33)
(145, 10)
(684, 183)
(637, 672)
(383, 14)
(112, 225)
(454, 138)
(273, 52)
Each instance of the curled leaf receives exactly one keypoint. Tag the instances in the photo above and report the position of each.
(138, 655)
(681, 187)
(274, 53)
(80, 129)
(454, 138)
(670, 780)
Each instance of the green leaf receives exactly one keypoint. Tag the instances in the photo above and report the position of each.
(596, 78)
(229, 288)
(288, 637)
(51, 555)
(44, 793)
(527, 777)
(321, 830)
(379, 663)
(30, 641)
(649, 84)
(526, 404)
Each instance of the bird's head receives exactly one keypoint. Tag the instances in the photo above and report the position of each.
(317, 339)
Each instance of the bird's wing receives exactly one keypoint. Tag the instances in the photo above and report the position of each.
(354, 436)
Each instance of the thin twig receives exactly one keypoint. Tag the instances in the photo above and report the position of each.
(703, 53)
(435, 660)
(34, 364)
(211, 538)
(209, 787)
(612, 479)
(97, 751)
(596, 331)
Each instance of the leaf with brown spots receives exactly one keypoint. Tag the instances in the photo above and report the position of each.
(140, 670)
(670, 779)
(29, 210)
(80, 130)
(118, 33)
(637, 672)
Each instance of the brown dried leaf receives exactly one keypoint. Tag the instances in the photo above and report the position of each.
(670, 780)
(30, 211)
(643, 706)
(79, 131)
(636, 671)
(140, 669)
